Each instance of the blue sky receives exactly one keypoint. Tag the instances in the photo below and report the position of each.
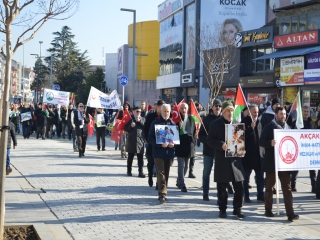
(97, 24)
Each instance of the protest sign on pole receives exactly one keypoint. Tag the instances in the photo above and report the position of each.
(56, 97)
(98, 99)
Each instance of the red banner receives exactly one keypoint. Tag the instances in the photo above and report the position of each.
(255, 98)
(296, 39)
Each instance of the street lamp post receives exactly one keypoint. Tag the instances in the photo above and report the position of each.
(40, 72)
(133, 52)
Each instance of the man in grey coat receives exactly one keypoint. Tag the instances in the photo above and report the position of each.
(226, 169)
(135, 141)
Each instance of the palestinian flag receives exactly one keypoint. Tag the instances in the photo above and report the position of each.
(240, 104)
(296, 112)
(195, 116)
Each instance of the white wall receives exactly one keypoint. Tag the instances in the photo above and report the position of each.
(111, 70)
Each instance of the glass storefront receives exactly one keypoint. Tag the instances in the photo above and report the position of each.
(311, 98)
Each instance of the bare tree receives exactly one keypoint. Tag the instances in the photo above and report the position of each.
(31, 15)
(218, 58)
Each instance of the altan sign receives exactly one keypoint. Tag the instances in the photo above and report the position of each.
(296, 39)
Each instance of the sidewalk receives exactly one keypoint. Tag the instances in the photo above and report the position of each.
(92, 198)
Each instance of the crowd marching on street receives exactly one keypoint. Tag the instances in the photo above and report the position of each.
(149, 131)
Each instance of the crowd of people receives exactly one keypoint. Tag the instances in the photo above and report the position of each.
(139, 134)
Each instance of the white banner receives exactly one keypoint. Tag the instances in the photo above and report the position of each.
(297, 149)
(56, 97)
(98, 99)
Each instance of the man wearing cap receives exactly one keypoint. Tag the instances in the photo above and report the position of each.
(135, 141)
(226, 169)
(208, 152)
(268, 115)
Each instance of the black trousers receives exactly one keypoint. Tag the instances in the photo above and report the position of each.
(100, 133)
(223, 195)
(82, 141)
(150, 165)
(41, 131)
(191, 164)
(312, 175)
(130, 160)
(318, 185)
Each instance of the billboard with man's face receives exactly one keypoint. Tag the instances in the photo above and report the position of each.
(234, 16)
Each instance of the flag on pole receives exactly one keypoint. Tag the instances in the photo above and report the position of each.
(182, 101)
(147, 108)
(240, 104)
(296, 112)
(72, 98)
(176, 114)
(90, 126)
(116, 132)
(195, 117)
(126, 117)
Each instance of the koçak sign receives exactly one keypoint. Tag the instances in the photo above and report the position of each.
(168, 7)
(292, 71)
(312, 76)
(296, 39)
(297, 149)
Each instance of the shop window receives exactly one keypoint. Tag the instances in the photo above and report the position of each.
(294, 24)
(302, 23)
(313, 21)
(263, 65)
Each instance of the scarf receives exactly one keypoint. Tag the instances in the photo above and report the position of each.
(186, 126)
(80, 117)
(286, 126)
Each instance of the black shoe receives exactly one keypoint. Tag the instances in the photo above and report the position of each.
(82, 154)
(43, 138)
(230, 190)
(184, 189)
(249, 186)
(162, 199)
(129, 174)
(313, 190)
(191, 175)
(154, 175)
(293, 189)
(178, 186)
(115, 148)
(268, 213)
(238, 213)
(260, 199)
(205, 197)
(274, 191)
(103, 149)
(156, 186)
(150, 181)
(141, 175)
(98, 149)
(247, 200)
(222, 214)
(317, 197)
(293, 217)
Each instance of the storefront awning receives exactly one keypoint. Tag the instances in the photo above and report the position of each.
(289, 53)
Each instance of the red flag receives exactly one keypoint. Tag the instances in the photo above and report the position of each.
(182, 101)
(175, 114)
(116, 132)
(72, 98)
(126, 117)
(90, 126)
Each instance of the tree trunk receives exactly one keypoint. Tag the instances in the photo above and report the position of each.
(5, 133)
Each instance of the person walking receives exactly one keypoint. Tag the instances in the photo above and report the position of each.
(101, 130)
(80, 122)
(135, 141)
(11, 135)
(50, 122)
(186, 149)
(163, 153)
(268, 142)
(58, 120)
(64, 118)
(26, 125)
(226, 169)
(208, 152)
(69, 120)
(251, 161)
(41, 114)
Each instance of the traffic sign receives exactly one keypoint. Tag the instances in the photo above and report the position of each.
(56, 87)
(123, 81)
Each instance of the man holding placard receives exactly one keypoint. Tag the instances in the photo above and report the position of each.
(268, 142)
(101, 117)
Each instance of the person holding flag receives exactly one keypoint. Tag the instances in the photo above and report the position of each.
(187, 135)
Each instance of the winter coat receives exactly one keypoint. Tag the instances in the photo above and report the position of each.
(57, 116)
(251, 160)
(207, 150)
(64, 116)
(69, 117)
(135, 136)
(51, 118)
(157, 150)
(80, 132)
(267, 117)
(309, 124)
(41, 117)
(188, 141)
(265, 141)
(12, 135)
(149, 119)
(25, 110)
(225, 169)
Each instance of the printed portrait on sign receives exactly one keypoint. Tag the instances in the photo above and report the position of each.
(167, 134)
(235, 140)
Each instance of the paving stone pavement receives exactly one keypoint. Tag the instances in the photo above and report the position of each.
(94, 199)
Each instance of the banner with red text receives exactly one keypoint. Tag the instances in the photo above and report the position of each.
(297, 149)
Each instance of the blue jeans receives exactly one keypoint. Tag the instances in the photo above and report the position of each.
(8, 159)
(26, 130)
(259, 181)
(207, 167)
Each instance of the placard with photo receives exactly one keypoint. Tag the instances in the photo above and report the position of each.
(235, 140)
(167, 134)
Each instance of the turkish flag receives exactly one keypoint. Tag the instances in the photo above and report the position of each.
(116, 132)
(126, 117)
(175, 114)
(72, 98)
(90, 126)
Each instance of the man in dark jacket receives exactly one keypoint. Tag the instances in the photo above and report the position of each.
(50, 122)
(149, 119)
(251, 161)
(208, 152)
(41, 114)
(268, 115)
(185, 150)
(163, 153)
(26, 125)
(11, 135)
(81, 121)
(64, 118)
(69, 122)
(101, 130)
(268, 142)
(58, 120)
(226, 169)
(135, 141)
(307, 124)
